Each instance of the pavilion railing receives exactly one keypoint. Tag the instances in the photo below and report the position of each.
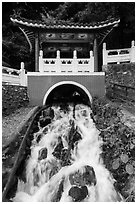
(14, 76)
(68, 65)
(118, 56)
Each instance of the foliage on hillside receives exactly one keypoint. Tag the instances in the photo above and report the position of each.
(118, 150)
(15, 48)
(118, 147)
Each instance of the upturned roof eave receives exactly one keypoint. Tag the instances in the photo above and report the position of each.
(42, 25)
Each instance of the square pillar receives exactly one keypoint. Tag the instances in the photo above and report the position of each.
(36, 52)
(95, 52)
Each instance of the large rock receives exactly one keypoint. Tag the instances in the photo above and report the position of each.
(78, 193)
(43, 153)
(86, 178)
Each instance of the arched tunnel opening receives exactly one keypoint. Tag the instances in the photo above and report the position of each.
(68, 93)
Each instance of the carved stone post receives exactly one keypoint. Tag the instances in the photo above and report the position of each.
(41, 63)
(22, 75)
(132, 53)
(104, 54)
(91, 61)
(75, 61)
(36, 52)
(58, 61)
(95, 51)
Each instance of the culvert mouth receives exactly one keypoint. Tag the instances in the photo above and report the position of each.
(67, 92)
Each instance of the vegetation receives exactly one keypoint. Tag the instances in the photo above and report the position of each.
(118, 150)
(15, 47)
(118, 146)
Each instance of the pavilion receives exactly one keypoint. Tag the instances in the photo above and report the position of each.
(64, 36)
(65, 53)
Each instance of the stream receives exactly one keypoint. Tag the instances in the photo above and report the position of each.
(65, 163)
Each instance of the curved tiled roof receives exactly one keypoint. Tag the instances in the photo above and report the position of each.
(63, 24)
(103, 28)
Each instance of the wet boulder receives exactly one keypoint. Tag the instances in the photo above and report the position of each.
(65, 157)
(62, 154)
(38, 137)
(58, 149)
(44, 121)
(75, 139)
(88, 177)
(46, 117)
(49, 112)
(35, 127)
(57, 196)
(43, 153)
(76, 179)
(78, 193)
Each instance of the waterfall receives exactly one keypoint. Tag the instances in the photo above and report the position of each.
(65, 163)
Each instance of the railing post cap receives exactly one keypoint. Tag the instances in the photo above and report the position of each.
(91, 53)
(58, 53)
(41, 53)
(104, 45)
(74, 53)
(22, 65)
(133, 43)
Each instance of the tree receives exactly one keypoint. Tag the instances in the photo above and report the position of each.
(15, 47)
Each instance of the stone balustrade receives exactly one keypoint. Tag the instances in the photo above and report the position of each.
(66, 65)
(118, 56)
(14, 76)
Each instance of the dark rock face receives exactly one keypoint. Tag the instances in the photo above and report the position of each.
(48, 113)
(43, 153)
(75, 139)
(35, 127)
(62, 154)
(87, 178)
(39, 136)
(58, 195)
(44, 121)
(78, 193)
(46, 117)
(80, 181)
(58, 149)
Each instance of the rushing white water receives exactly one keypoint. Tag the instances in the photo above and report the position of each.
(65, 162)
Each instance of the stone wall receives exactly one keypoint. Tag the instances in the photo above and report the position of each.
(13, 97)
(121, 74)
